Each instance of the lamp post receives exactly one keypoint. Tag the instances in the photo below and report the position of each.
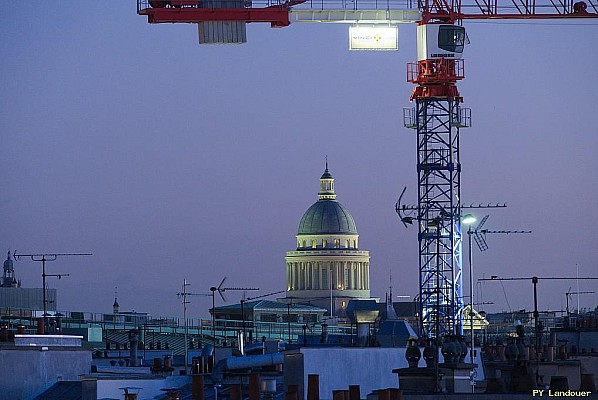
(469, 219)
(479, 237)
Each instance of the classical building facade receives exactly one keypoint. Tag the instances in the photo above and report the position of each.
(327, 269)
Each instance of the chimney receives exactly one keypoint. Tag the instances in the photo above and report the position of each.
(131, 393)
(134, 339)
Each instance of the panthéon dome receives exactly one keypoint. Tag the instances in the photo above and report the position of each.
(327, 269)
(327, 216)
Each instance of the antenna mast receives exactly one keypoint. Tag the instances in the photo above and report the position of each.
(535, 279)
(184, 301)
(220, 291)
(43, 257)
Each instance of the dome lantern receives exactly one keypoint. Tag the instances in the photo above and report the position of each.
(327, 216)
(326, 186)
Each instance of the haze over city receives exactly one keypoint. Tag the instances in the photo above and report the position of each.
(169, 160)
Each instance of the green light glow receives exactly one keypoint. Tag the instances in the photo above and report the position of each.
(468, 219)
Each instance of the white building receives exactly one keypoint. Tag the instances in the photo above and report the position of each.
(327, 269)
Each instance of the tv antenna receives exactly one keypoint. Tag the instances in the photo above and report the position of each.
(221, 291)
(568, 295)
(184, 301)
(479, 234)
(43, 258)
(410, 212)
(534, 280)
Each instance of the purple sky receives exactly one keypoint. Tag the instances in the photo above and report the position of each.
(170, 160)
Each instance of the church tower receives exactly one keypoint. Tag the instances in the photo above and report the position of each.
(8, 277)
(327, 269)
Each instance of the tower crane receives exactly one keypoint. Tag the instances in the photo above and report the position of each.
(437, 117)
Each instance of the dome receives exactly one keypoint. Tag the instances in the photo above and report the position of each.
(327, 217)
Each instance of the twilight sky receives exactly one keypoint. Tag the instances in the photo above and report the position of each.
(169, 160)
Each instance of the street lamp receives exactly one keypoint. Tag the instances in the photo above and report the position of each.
(469, 220)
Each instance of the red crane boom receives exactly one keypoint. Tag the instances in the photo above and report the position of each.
(277, 13)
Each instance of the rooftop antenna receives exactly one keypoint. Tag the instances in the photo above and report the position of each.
(43, 257)
(568, 295)
(479, 234)
(184, 301)
(221, 291)
(534, 280)
(410, 212)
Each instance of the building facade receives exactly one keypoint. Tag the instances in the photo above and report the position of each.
(327, 269)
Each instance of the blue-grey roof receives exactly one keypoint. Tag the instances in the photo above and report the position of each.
(360, 310)
(327, 217)
(64, 390)
(394, 333)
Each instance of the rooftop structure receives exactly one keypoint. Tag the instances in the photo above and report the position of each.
(271, 311)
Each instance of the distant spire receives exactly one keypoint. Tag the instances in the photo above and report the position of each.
(390, 310)
(8, 263)
(115, 306)
(8, 278)
(390, 280)
(326, 162)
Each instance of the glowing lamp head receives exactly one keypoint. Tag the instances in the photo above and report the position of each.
(468, 219)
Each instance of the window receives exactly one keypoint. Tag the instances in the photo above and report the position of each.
(451, 38)
(324, 243)
(310, 317)
(268, 318)
(337, 243)
(313, 244)
(347, 244)
(289, 317)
